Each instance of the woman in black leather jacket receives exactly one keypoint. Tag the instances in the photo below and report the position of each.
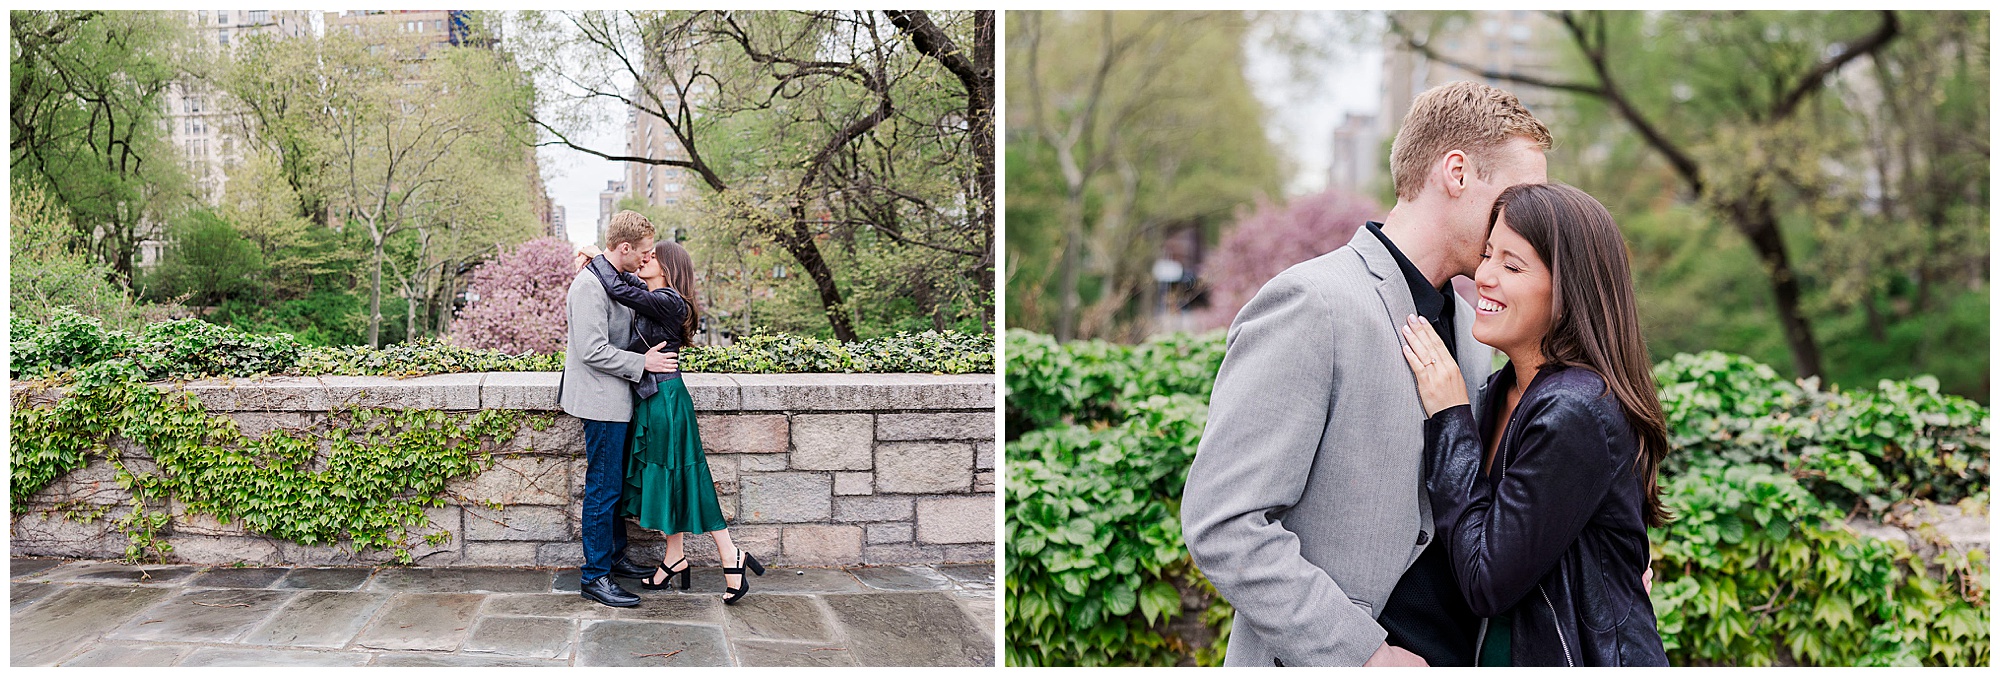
(1543, 498)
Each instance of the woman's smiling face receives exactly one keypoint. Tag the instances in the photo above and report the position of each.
(1515, 305)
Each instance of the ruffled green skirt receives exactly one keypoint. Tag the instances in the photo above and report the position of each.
(667, 484)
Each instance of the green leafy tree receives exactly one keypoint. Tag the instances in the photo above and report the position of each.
(834, 136)
(1129, 125)
(48, 271)
(1751, 112)
(207, 261)
(89, 93)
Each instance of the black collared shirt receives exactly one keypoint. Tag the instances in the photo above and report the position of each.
(1427, 614)
(1433, 303)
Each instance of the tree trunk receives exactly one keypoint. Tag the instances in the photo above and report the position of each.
(799, 242)
(375, 298)
(1071, 263)
(1757, 220)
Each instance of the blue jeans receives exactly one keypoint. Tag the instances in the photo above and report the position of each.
(603, 480)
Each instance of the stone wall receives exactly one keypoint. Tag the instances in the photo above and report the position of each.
(812, 469)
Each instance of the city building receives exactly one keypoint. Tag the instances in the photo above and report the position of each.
(558, 221)
(647, 135)
(1357, 154)
(607, 204)
(438, 27)
(200, 125)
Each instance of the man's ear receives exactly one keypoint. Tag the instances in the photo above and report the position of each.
(1456, 169)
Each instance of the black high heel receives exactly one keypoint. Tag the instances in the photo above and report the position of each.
(683, 572)
(743, 559)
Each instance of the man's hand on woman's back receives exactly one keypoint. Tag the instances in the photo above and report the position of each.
(659, 362)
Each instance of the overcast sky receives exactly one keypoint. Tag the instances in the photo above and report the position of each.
(1306, 104)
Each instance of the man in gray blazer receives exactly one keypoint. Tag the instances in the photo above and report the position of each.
(1305, 505)
(597, 387)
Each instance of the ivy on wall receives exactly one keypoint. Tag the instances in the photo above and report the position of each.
(382, 467)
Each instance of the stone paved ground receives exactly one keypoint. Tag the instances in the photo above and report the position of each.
(76, 612)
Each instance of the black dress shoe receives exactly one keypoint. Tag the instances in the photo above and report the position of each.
(625, 567)
(607, 593)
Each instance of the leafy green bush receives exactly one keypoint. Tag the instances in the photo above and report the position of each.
(1758, 567)
(418, 358)
(1095, 560)
(188, 349)
(48, 269)
(928, 352)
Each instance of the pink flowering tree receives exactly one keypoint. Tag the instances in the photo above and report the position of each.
(518, 300)
(1274, 237)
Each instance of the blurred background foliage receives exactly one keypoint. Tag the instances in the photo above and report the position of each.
(1810, 189)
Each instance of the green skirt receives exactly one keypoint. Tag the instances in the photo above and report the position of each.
(667, 484)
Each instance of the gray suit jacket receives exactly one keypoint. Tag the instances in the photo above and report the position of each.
(597, 374)
(1305, 502)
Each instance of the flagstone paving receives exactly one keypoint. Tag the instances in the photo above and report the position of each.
(75, 612)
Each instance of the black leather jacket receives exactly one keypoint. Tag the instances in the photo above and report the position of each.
(1555, 536)
(656, 317)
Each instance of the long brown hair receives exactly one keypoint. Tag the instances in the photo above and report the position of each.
(678, 268)
(1594, 319)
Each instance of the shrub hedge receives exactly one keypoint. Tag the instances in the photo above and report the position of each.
(1758, 568)
(189, 348)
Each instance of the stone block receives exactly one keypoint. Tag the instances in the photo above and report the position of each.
(712, 392)
(40, 534)
(744, 433)
(256, 424)
(955, 520)
(317, 555)
(893, 532)
(274, 393)
(833, 441)
(197, 524)
(535, 390)
(562, 437)
(922, 467)
(563, 554)
(902, 553)
(982, 455)
(95, 483)
(756, 539)
(872, 508)
(977, 552)
(822, 545)
(517, 523)
(450, 392)
(982, 482)
(935, 426)
(786, 497)
(762, 462)
(865, 392)
(724, 470)
(853, 483)
(500, 554)
(221, 550)
(518, 480)
(729, 503)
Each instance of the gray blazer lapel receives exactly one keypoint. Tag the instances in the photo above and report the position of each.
(1390, 285)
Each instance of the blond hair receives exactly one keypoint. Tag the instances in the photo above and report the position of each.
(628, 226)
(1467, 116)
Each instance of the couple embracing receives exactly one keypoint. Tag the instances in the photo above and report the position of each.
(631, 309)
(1366, 494)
